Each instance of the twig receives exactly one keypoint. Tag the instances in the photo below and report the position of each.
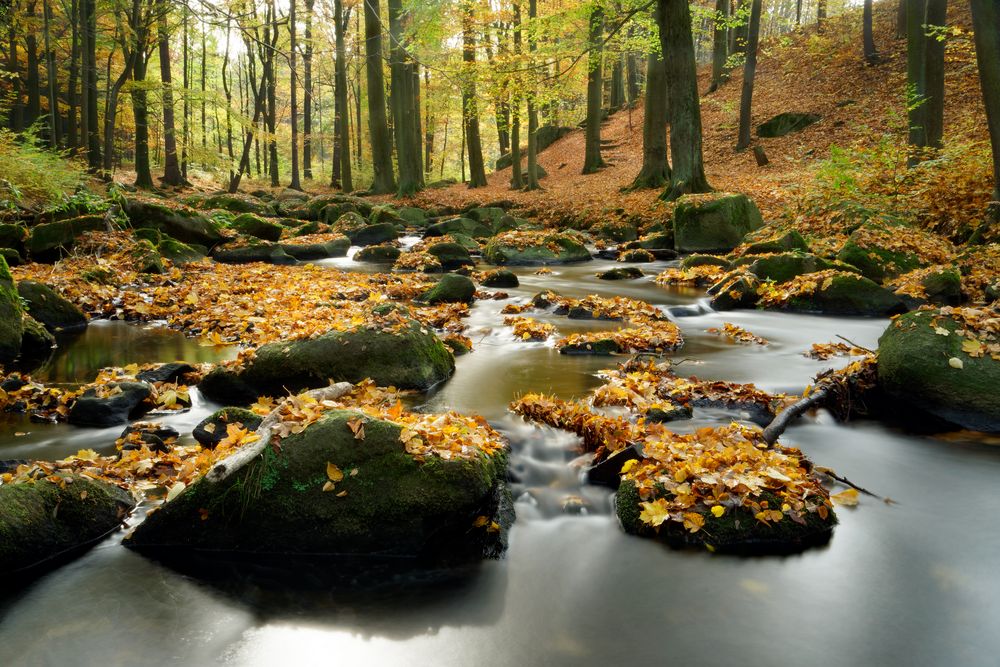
(852, 343)
(843, 480)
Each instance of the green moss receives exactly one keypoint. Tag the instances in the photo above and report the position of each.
(692, 261)
(452, 288)
(782, 267)
(256, 226)
(466, 226)
(51, 239)
(571, 250)
(382, 232)
(847, 294)
(49, 308)
(378, 253)
(11, 316)
(713, 223)
(451, 255)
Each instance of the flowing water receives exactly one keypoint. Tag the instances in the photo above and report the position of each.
(910, 583)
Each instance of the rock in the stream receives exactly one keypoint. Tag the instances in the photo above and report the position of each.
(713, 222)
(306, 252)
(846, 294)
(623, 273)
(256, 226)
(153, 435)
(268, 253)
(112, 404)
(527, 248)
(781, 267)
(11, 316)
(413, 358)
(451, 255)
(639, 256)
(382, 232)
(692, 261)
(500, 278)
(923, 362)
(466, 226)
(43, 523)
(170, 372)
(385, 504)
(51, 309)
(180, 222)
(452, 288)
(383, 253)
(212, 430)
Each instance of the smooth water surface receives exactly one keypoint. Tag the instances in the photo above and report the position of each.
(911, 583)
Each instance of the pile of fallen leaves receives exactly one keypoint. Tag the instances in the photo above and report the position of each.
(737, 334)
(776, 295)
(529, 329)
(428, 241)
(527, 239)
(652, 336)
(980, 269)
(696, 276)
(930, 248)
(824, 351)
(980, 327)
(418, 261)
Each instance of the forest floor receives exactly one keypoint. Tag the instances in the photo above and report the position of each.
(862, 109)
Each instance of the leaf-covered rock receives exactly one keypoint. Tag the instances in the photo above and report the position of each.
(519, 248)
(713, 222)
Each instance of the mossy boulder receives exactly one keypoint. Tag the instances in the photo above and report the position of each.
(713, 222)
(111, 404)
(178, 252)
(451, 255)
(736, 531)
(211, 430)
(382, 232)
(692, 261)
(306, 252)
(791, 240)
(146, 259)
(348, 223)
(388, 504)
(410, 358)
(622, 273)
(786, 123)
(500, 278)
(328, 208)
(737, 290)
(51, 240)
(539, 248)
(781, 267)
(915, 366)
(50, 308)
(308, 228)
(13, 236)
(943, 286)
(655, 241)
(412, 216)
(509, 223)
(615, 231)
(637, 256)
(467, 226)
(36, 343)
(268, 253)
(235, 203)
(882, 250)
(256, 226)
(488, 215)
(11, 316)
(179, 222)
(44, 523)
(11, 256)
(383, 253)
(382, 214)
(846, 294)
(452, 288)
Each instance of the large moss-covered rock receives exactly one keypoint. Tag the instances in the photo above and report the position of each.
(268, 253)
(786, 123)
(179, 222)
(256, 226)
(111, 404)
(713, 222)
(882, 251)
(178, 252)
(736, 290)
(412, 358)
(500, 278)
(791, 240)
(383, 253)
(211, 430)
(36, 343)
(526, 248)
(11, 316)
(845, 294)
(384, 213)
(622, 273)
(50, 240)
(43, 523)
(692, 261)
(382, 232)
(925, 363)
(235, 203)
(146, 259)
(412, 216)
(13, 236)
(781, 267)
(388, 503)
(452, 288)
(50, 308)
(451, 255)
(466, 226)
(328, 208)
(305, 252)
(615, 230)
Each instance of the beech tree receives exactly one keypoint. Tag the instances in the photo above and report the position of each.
(986, 24)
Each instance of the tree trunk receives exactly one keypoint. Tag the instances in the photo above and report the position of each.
(916, 105)
(986, 22)
(631, 78)
(798, 11)
(516, 176)
(186, 79)
(428, 125)
(140, 111)
(204, 124)
(477, 170)
(532, 183)
(341, 111)
(820, 14)
(171, 167)
(307, 95)
(271, 117)
(51, 75)
(72, 139)
(684, 110)
(293, 84)
(871, 55)
(749, 74)
(720, 45)
(93, 141)
(655, 172)
(937, 16)
(33, 80)
(592, 161)
(378, 127)
(617, 98)
(401, 98)
(901, 10)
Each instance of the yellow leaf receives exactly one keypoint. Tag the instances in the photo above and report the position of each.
(341, 494)
(654, 513)
(480, 521)
(329, 486)
(631, 463)
(176, 490)
(718, 511)
(693, 521)
(972, 347)
(848, 498)
(955, 362)
(333, 472)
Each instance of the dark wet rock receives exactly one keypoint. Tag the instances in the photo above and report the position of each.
(394, 505)
(735, 291)
(688, 311)
(675, 413)
(451, 255)
(51, 240)
(847, 294)
(12, 237)
(383, 253)
(382, 232)
(413, 359)
(153, 435)
(638, 256)
(43, 523)
(713, 222)
(121, 401)
(180, 253)
(11, 256)
(452, 288)
(567, 249)
(180, 222)
(692, 261)
(269, 253)
(500, 278)
(210, 431)
(621, 273)
(306, 252)
(608, 472)
(171, 372)
(915, 366)
(11, 316)
(656, 241)
(782, 267)
(36, 343)
(786, 123)
(256, 226)
(50, 308)
(467, 226)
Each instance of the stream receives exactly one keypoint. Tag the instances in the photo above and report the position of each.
(910, 583)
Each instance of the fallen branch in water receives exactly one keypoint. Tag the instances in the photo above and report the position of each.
(785, 417)
(843, 480)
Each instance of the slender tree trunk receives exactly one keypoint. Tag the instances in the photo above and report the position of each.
(477, 169)
(749, 75)
(655, 172)
(341, 110)
(916, 102)
(204, 124)
(986, 22)
(416, 129)
(820, 14)
(111, 115)
(294, 85)
(140, 111)
(428, 125)
(516, 177)
(33, 81)
(73, 139)
(532, 183)
(798, 11)
(307, 95)
(171, 168)
(227, 88)
(631, 78)
(51, 75)
(684, 109)
(186, 79)
(13, 68)
(936, 15)
(871, 55)
(617, 97)
(901, 10)
(592, 161)
(720, 45)
(378, 127)
(401, 99)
